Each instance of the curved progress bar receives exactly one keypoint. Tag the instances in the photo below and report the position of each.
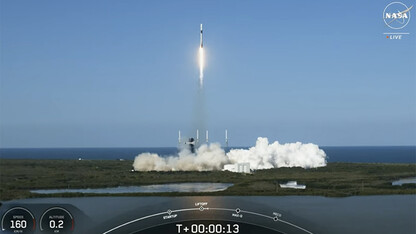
(242, 211)
(207, 208)
(266, 216)
(146, 217)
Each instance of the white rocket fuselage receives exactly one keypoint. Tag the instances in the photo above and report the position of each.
(201, 45)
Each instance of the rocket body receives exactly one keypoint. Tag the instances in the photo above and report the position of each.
(201, 60)
(201, 45)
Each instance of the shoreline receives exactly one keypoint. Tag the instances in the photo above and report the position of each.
(19, 176)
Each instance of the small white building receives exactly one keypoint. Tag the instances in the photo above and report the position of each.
(293, 185)
(238, 167)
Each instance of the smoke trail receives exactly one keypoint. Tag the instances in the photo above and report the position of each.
(212, 157)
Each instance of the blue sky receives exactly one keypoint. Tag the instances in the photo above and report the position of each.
(125, 73)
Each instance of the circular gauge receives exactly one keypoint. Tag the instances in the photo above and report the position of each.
(56, 220)
(18, 220)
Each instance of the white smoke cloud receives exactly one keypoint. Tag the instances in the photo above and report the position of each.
(206, 158)
(264, 155)
(212, 157)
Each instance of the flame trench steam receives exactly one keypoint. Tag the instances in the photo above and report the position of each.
(212, 157)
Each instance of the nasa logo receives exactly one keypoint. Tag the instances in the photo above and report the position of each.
(396, 15)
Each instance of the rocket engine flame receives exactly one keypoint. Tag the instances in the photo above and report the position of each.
(201, 66)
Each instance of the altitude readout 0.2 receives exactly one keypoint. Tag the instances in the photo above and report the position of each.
(208, 228)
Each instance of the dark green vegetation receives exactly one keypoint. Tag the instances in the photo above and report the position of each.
(18, 176)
